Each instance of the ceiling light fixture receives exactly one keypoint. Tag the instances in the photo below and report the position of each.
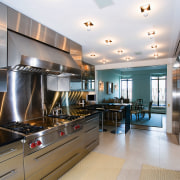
(120, 51)
(104, 61)
(154, 46)
(108, 42)
(156, 55)
(88, 24)
(145, 9)
(92, 55)
(127, 58)
(151, 34)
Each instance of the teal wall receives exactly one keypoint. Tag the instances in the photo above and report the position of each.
(108, 76)
(141, 82)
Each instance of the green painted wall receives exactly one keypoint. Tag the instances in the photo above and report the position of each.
(141, 82)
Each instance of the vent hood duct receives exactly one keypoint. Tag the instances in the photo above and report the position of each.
(26, 54)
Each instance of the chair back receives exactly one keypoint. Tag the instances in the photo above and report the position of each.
(139, 101)
(150, 105)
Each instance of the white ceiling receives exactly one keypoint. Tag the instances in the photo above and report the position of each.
(119, 20)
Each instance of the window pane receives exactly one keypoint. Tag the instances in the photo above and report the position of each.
(162, 91)
(124, 89)
(130, 90)
(155, 92)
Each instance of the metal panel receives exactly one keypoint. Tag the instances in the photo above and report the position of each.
(3, 80)
(24, 25)
(3, 35)
(25, 51)
(23, 100)
(76, 52)
(176, 102)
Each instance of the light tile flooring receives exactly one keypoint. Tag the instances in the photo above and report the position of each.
(139, 147)
(152, 147)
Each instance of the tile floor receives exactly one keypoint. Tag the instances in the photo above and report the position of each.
(152, 147)
(139, 147)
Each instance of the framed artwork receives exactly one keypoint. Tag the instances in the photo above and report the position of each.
(109, 87)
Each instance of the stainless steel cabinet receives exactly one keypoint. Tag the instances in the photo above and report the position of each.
(11, 161)
(3, 48)
(54, 160)
(88, 77)
(90, 133)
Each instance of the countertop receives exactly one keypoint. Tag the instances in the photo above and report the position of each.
(7, 137)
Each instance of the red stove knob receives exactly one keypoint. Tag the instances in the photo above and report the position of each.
(38, 142)
(32, 145)
(76, 127)
(62, 133)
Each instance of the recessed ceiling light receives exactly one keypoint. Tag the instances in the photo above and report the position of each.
(156, 55)
(154, 46)
(88, 24)
(145, 9)
(92, 55)
(120, 51)
(151, 34)
(128, 58)
(108, 42)
(104, 61)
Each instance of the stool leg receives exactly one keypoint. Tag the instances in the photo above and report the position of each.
(116, 122)
(102, 120)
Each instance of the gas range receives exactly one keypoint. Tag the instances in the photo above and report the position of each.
(24, 128)
(41, 132)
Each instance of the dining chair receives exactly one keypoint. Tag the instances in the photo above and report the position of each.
(147, 110)
(135, 111)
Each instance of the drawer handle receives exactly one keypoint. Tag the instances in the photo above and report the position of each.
(7, 152)
(60, 146)
(91, 143)
(89, 121)
(91, 129)
(8, 174)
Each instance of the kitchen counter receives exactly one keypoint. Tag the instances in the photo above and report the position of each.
(7, 137)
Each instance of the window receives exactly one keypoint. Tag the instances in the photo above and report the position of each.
(158, 90)
(126, 88)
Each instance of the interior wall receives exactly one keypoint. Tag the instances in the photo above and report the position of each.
(107, 76)
(141, 83)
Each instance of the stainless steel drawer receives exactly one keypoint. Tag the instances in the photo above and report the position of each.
(10, 150)
(12, 169)
(45, 161)
(89, 123)
(90, 135)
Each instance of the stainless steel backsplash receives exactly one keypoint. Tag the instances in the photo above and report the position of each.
(27, 95)
(22, 101)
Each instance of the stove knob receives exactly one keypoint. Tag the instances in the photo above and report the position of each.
(38, 142)
(62, 133)
(76, 127)
(32, 145)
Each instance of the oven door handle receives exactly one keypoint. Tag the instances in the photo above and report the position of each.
(10, 173)
(7, 152)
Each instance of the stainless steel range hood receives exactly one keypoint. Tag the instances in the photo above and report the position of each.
(26, 54)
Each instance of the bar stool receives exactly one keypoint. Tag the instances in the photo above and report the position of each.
(116, 111)
(102, 110)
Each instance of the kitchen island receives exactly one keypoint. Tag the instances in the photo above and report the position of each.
(106, 109)
(48, 153)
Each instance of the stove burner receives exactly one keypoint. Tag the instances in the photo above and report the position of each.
(24, 128)
(71, 118)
